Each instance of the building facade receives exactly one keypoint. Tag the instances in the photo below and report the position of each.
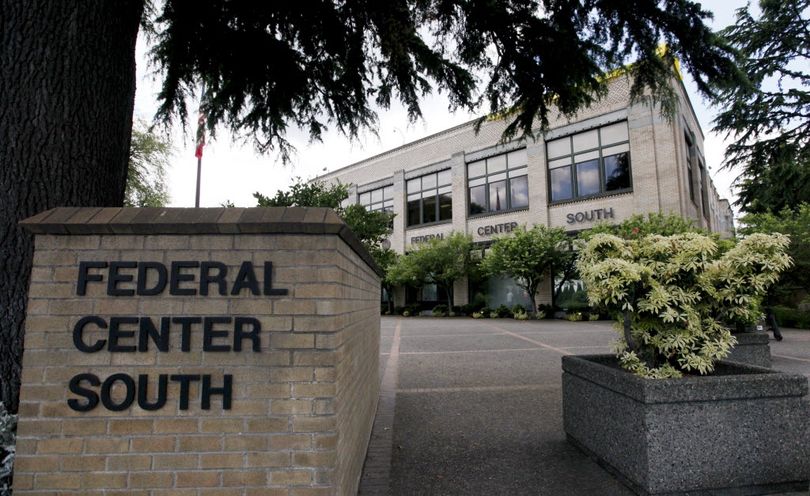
(612, 160)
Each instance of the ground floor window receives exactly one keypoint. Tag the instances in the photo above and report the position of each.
(570, 295)
(501, 290)
(426, 297)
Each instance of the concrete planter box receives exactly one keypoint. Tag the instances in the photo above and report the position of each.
(743, 431)
(752, 348)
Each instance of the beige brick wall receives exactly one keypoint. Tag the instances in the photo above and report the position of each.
(302, 407)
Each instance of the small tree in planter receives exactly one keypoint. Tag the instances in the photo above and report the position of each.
(674, 295)
(671, 296)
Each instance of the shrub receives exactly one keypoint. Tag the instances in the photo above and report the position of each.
(676, 296)
(456, 310)
(493, 314)
(8, 434)
(792, 317)
(520, 315)
(399, 310)
(479, 301)
(546, 310)
(477, 315)
(503, 311)
(540, 315)
(485, 311)
(518, 309)
(573, 316)
(440, 311)
(406, 313)
(593, 317)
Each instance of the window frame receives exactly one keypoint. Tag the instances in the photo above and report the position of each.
(603, 192)
(521, 171)
(690, 163)
(704, 188)
(386, 204)
(436, 197)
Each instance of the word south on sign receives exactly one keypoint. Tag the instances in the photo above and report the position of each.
(160, 334)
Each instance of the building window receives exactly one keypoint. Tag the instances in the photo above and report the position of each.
(704, 189)
(592, 163)
(690, 158)
(430, 198)
(498, 183)
(378, 200)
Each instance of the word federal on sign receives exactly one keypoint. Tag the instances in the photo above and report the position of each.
(142, 334)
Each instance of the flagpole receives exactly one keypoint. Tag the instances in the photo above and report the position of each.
(199, 171)
(199, 145)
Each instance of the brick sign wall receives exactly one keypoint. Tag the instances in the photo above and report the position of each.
(197, 351)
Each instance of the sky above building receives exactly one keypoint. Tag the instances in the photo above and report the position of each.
(232, 170)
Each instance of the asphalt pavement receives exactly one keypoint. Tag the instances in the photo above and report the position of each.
(473, 407)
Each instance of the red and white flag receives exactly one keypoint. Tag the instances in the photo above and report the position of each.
(198, 152)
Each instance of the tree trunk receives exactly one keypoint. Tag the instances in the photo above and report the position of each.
(533, 294)
(67, 80)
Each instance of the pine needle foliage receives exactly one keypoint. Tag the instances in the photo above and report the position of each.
(269, 67)
(768, 121)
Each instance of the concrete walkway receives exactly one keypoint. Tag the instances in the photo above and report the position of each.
(473, 407)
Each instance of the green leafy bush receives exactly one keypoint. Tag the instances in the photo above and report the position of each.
(477, 315)
(503, 311)
(676, 296)
(792, 317)
(478, 302)
(574, 316)
(440, 311)
(8, 434)
(547, 311)
(521, 316)
(518, 309)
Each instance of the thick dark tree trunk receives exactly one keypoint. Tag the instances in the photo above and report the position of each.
(67, 89)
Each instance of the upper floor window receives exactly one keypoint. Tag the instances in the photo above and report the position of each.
(704, 188)
(430, 198)
(378, 200)
(690, 162)
(590, 163)
(498, 183)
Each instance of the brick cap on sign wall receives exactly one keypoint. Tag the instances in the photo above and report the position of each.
(257, 220)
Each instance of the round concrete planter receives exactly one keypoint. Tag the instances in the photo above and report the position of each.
(742, 431)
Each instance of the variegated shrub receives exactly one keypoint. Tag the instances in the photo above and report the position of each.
(676, 296)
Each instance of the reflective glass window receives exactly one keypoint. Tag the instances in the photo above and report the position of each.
(617, 172)
(519, 191)
(588, 178)
(429, 209)
(478, 199)
(445, 206)
(600, 159)
(497, 196)
(424, 205)
(493, 191)
(561, 187)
